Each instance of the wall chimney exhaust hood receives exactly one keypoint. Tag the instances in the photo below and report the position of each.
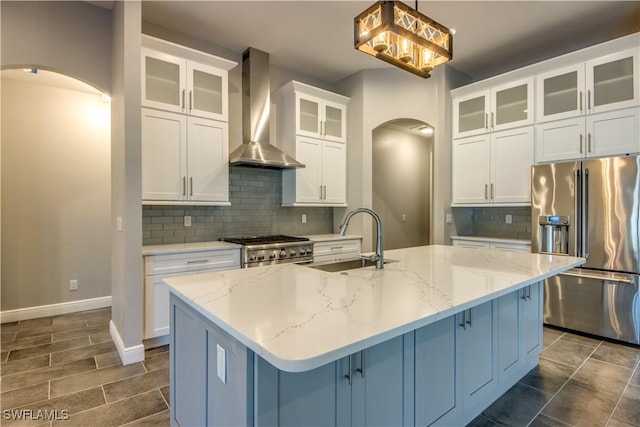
(255, 149)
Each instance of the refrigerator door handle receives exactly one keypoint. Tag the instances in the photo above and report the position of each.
(599, 276)
(585, 214)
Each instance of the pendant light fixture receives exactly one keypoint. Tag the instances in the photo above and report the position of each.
(402, 36)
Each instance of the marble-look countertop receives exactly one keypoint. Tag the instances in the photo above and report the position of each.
(175, 248)
(298, 318)
(493, 239)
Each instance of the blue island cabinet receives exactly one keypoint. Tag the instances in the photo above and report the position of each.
(444, 373)
(363, 389)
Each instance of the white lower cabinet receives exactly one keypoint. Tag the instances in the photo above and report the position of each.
(159, 267)
(596, 135)
(495, 244)
(337, 250)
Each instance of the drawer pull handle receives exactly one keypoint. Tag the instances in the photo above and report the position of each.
(200, 261)
(336, 248)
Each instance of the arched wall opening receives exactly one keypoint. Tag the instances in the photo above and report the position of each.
(402, 181)
(55, 191)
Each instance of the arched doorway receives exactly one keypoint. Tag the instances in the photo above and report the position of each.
(402, 181)
(56, 191)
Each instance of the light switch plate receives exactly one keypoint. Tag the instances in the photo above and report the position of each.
(187, 221)
(508, 219)
(221, 363)
(449, 219)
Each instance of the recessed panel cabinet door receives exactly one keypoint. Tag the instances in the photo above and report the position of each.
(476, 344)
(208, 160)
(511, 160)
(308, 179)
(435, 371)
(334, 172)
(164, 160)
(471, 163)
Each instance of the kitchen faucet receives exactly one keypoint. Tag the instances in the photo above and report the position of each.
(379, 258)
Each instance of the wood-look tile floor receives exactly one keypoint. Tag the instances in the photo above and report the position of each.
(69, 363)
(67, 367)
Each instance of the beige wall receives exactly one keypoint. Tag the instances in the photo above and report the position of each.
(55, 195)
(386, 94)
(401, 185)
(126, 268)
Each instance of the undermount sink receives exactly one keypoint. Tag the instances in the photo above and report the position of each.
(348, 265)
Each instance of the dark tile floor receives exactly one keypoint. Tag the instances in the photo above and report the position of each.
(580, 381)
(69, 363)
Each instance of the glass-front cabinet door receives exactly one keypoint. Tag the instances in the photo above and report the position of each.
(334, 125)
(308, 116)
(512, 105)
(612, 82)
(471, 115)
(163, 84)
(207, 91)
(560, 93)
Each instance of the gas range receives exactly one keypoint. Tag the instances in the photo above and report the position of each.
(274, 249)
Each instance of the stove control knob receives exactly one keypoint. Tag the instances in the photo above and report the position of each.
(252, 258)
(283, 254)
(292, 253)
(272, 256)
(260, 257)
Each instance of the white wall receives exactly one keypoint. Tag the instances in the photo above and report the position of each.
(55, 195)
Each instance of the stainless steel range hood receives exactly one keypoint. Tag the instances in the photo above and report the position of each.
(255, 149)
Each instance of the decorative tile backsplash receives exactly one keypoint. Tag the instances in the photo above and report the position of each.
(491, 222)
(255, 196)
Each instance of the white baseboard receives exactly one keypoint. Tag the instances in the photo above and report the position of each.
(128, 355)
(53, 309)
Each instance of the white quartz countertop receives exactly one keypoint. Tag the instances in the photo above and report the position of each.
(492, 239)
(187, 247)
(298, 318)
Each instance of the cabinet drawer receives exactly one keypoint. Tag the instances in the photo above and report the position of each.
(340, 247)
(192, 261)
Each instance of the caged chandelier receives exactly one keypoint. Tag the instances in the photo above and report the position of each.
(402, 36)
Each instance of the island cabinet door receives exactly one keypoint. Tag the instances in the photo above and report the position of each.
(531, 312)
(319, 397)
(508, 328)
(435, 372)
(476, 345)
(188, 365)
(377, 385)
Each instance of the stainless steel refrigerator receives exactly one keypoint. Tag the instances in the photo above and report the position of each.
(591, 209)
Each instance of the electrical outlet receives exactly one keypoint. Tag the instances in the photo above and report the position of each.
(508, 219)
(187, 221)
(304, 218)
(73, 285)
(449, 218)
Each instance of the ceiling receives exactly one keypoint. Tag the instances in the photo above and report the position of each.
(316, 37)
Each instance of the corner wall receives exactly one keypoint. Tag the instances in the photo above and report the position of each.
(126, 260)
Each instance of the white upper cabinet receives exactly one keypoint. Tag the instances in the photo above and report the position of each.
(589, 109)
(596, 86)
(174, 84)
(185, 135)
(493, 169)
(320, 118)
(312, 126)
(502, 107)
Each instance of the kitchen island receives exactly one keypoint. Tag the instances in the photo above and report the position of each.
(433, 338)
